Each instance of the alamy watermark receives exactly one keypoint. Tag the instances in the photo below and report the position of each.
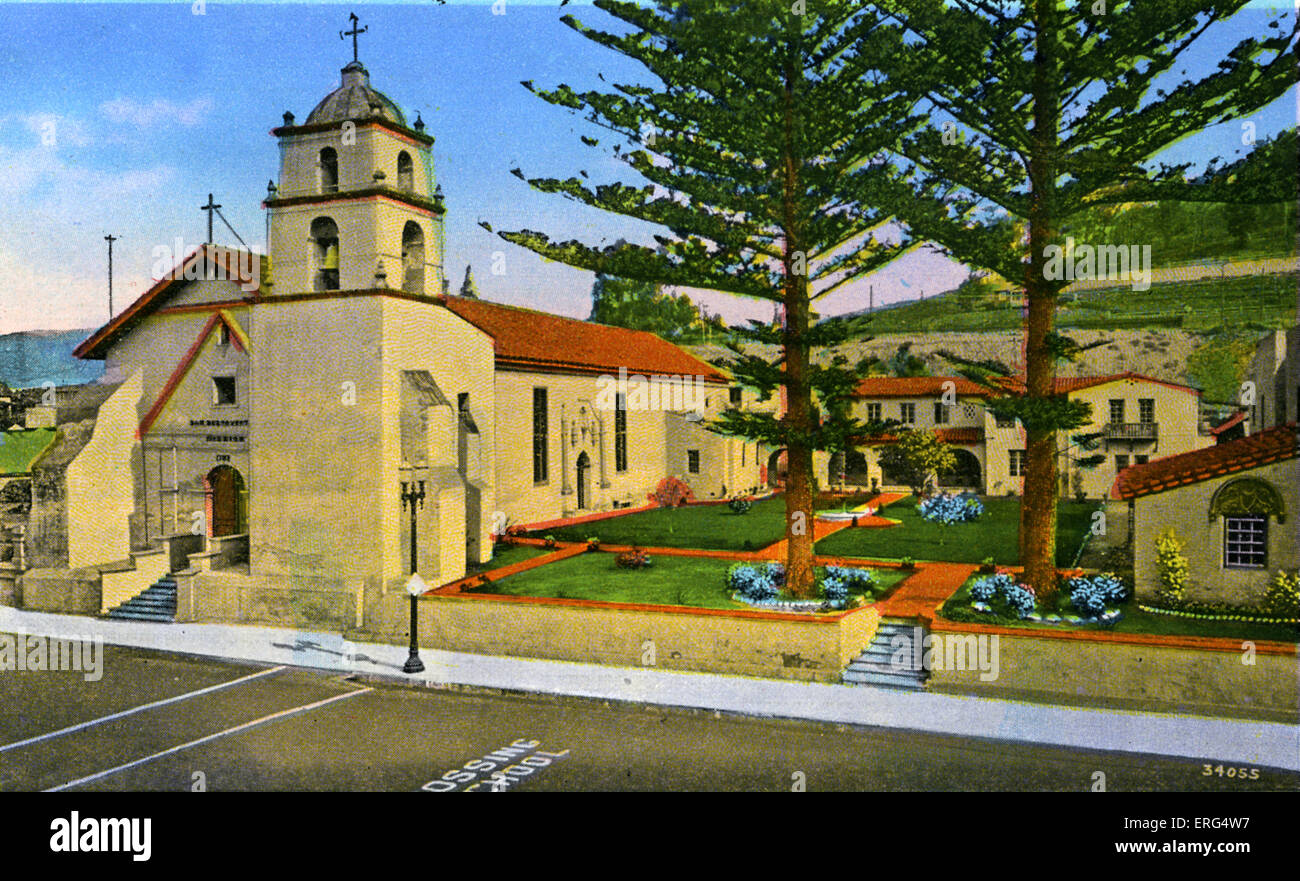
(657, 392)
(1071, 262)
(949, 651)
(24, 652)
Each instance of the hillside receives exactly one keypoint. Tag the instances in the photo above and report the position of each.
(1205, 305)
(32, 358)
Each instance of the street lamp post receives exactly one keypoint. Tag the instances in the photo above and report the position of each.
(412, 496)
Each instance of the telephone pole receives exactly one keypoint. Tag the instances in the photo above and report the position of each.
(110, 239)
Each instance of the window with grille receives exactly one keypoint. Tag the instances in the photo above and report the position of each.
(1116, 410)
(693, 461)
(1245, 541)
(1147, 411)
(907, 413)
(620, 433)
(541, 436)
(1016, 463)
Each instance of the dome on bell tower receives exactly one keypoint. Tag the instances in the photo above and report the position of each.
(355, 99)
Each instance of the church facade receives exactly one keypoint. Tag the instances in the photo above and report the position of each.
(273, 409)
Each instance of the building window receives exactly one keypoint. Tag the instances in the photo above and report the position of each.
(325, 253)
(1116, 410)
(1279, 402)
(223, 390)
(1245, 541)
(940, 413)
(1140, 459)
(223, 334)
(1016, 463)
(907, 413)
(1121, 462)
(873, 412)
(541, 436)
(620, 433)
(329, 171)
(1004, 421)
(1146, 411)
(693, 461)
(405, 172)
(736, 395)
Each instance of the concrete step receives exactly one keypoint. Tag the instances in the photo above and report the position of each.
(130, 615)
(901, 683)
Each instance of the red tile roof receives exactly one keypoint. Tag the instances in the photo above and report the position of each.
(1067, 384)
(1232, 420)
(1252, 451)
(94, 347)
(526, 338)
(917, 387)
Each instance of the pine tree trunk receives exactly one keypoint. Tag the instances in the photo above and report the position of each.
(799, 510)
(1038, 500)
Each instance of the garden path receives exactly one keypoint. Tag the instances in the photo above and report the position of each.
(932, 584)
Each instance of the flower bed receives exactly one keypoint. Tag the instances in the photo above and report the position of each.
(1089, 599)
(838, 587)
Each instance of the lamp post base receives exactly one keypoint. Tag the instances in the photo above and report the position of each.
(413, 665)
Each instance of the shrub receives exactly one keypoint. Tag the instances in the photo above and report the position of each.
(1003, 590)
(1172, 566)
(949, 508)
(854, 580)
(834, 590)
(1092, 594)
(632, 559)
(756, 582)
(1283, 597)
(739, 506)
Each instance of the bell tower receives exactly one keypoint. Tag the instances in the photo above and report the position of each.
(356, 206)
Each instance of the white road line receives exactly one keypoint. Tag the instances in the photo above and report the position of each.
(202, 740)
(81, 726)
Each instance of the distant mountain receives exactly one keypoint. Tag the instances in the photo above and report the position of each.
(32, 358)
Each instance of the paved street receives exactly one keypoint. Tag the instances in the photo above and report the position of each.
(144, 727)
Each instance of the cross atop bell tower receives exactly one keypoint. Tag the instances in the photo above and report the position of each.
(353, 34)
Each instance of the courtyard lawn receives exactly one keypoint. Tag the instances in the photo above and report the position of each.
(668, 581)
(1135, 620)
(18, 449)
(995, 534)
(504, 555)
(707, 527)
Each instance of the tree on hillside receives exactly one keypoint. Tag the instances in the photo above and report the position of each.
(759, 142)
(1041, 108)
(644, 305)
(467, 287)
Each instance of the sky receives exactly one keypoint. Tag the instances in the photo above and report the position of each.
(121, 118)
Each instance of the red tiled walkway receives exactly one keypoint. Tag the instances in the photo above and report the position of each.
(922, 593)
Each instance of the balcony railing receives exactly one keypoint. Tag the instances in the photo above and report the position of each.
(1134, 431)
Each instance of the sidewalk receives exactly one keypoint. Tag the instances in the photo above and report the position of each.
(1265, 744)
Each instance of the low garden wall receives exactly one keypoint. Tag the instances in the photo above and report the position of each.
(802, 647)
(68, 591)
(286, 601)
(1174, 674)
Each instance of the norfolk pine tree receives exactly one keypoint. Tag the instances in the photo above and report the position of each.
(1040, 109)
(760, 145)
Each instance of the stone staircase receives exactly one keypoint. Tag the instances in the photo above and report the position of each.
(155, 603)
(875, 666)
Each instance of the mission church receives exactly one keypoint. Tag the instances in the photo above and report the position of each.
(271, 409)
